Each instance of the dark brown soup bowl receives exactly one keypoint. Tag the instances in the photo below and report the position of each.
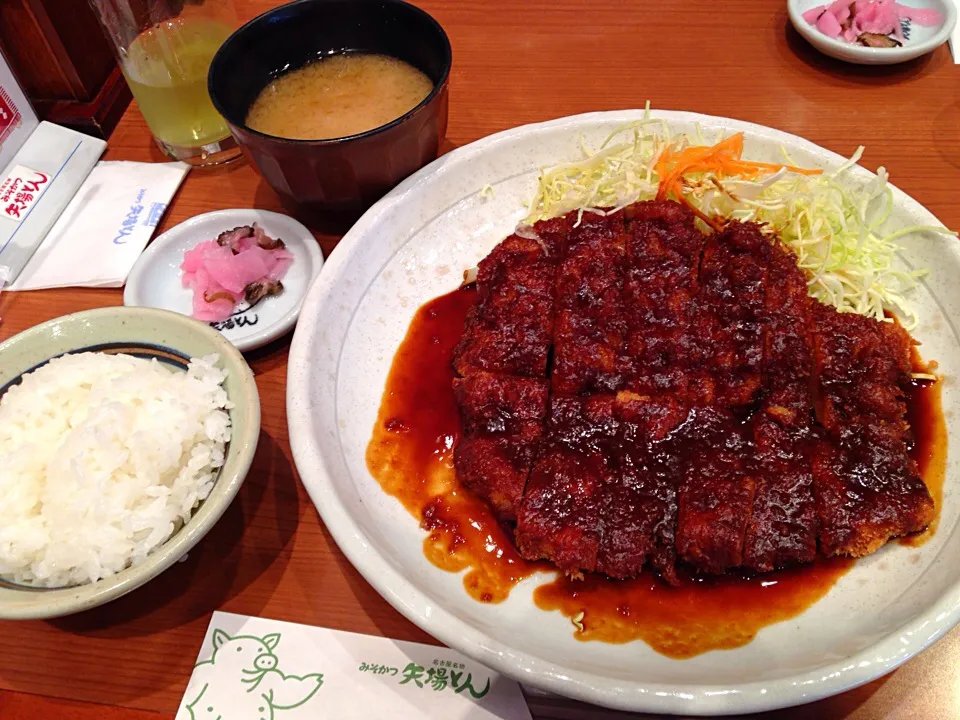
(347, 174)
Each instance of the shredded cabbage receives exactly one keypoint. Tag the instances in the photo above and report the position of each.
(832, 221)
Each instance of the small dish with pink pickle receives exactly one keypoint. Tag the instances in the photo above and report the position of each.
(244, 272)
(874, 32)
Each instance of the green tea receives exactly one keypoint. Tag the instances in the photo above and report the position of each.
(166, 68)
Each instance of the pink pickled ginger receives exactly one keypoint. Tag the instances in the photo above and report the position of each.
(849, 20)
(221, 274)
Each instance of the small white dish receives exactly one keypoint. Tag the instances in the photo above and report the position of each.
(155, 279)
(922, 39)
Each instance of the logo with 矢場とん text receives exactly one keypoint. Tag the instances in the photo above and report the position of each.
(20, 190)
(130, 220)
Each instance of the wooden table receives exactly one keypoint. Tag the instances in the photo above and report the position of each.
(514, 62)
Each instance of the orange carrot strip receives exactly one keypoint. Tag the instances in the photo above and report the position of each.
(791, 168)
(723, 158)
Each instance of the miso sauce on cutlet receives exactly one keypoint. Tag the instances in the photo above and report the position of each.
(338, 96)
(411, 454)
(929, 449)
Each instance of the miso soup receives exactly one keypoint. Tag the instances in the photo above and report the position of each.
(337, 96)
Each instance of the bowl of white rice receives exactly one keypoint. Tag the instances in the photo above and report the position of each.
(125, 433)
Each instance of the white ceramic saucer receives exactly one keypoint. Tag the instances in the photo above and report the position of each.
(155, 279)
(921, 39)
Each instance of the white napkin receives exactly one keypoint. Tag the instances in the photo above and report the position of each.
(304, 673)
(955, 37)
(106, 226)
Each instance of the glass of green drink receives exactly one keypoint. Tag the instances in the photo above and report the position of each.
(164, 48)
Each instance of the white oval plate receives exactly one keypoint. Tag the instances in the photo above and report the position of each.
(412, 246)
(155, 278)
(922, 39)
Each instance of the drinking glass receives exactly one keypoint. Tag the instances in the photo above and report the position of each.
(164, 48)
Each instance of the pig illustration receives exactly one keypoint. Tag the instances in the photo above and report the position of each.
(241, 682)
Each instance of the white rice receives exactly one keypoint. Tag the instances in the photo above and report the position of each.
(101, 457)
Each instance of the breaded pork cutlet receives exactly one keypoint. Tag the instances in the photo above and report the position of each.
(560, 516)
(509, 330)
(867, 487)
(660, 282)
(502, 421)
(729, 312)
(502, 362)
(783, 527)
(590, 326)
(640, 504)
(635, 393)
